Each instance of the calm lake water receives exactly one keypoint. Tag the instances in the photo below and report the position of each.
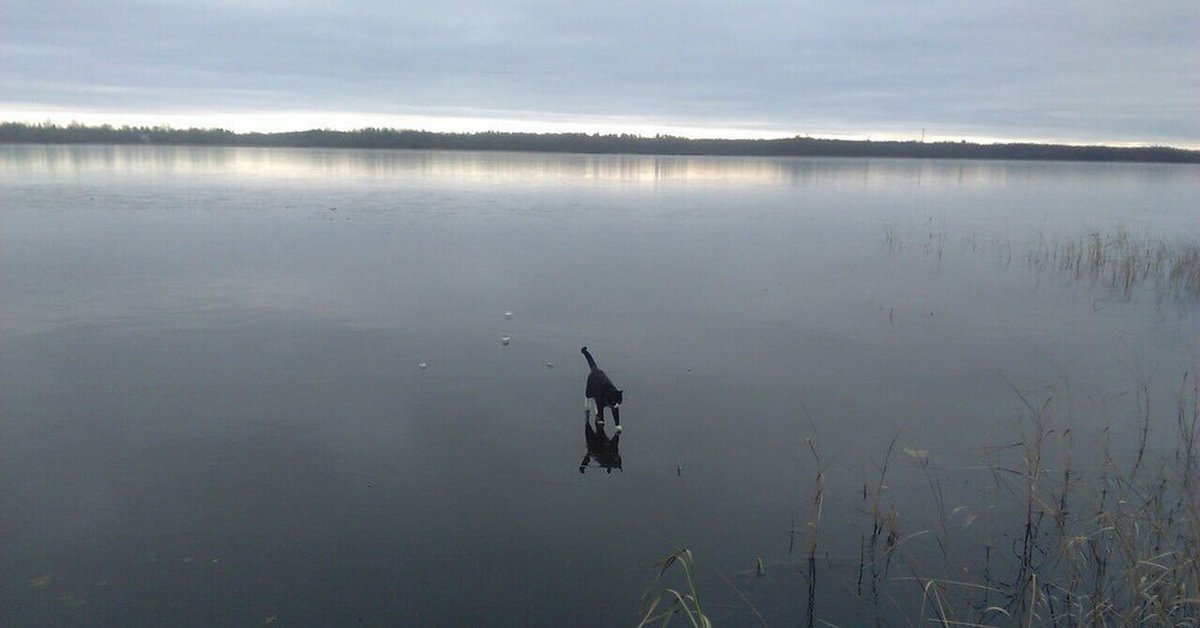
(267, 386)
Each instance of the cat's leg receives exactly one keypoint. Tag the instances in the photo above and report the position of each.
(617, 417)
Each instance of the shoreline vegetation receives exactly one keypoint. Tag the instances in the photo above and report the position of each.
(1068, 532)
(383, 138)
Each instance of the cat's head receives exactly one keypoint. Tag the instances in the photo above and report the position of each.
(618, 397)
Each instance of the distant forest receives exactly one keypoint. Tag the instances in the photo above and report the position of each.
(12, 132)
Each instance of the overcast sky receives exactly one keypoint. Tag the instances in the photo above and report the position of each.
(1088, 71)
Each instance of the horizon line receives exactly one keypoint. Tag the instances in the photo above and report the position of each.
(774, 136)
(458, 122)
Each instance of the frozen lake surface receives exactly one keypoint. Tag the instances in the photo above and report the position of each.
(255, 386)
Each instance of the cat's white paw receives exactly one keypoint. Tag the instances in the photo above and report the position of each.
(618, 428)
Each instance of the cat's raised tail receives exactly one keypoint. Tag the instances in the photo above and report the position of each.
(591, 362)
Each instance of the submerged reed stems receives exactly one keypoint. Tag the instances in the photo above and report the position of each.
(814, 528)
(1120, 262)
(1115, 260)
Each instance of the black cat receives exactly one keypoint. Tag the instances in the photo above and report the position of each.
(601, 393)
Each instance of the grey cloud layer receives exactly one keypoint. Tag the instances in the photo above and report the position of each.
(1088, 71)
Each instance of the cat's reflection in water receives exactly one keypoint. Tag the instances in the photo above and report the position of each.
(600, 447)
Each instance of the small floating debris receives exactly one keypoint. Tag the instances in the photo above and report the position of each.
(504, 340)
(422, 365)
(71, 600)
(549, 365)
(40, 581)
(508, 315)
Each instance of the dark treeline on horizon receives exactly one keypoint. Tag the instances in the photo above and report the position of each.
(14, 132)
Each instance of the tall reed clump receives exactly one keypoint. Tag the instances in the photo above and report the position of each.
(1133, 556)
(665, 603)
(1117, 544)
